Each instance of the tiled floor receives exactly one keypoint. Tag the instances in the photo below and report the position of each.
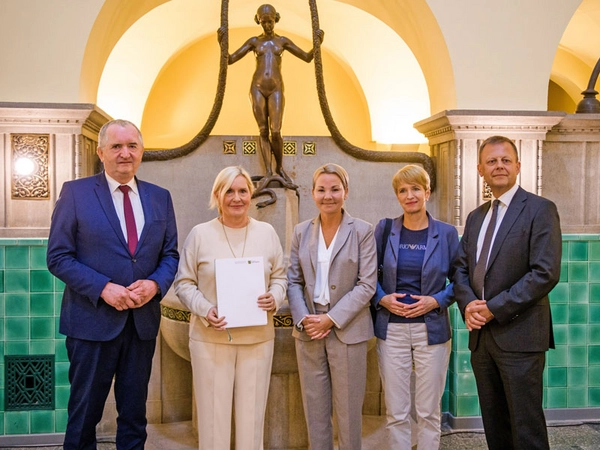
(179, 436)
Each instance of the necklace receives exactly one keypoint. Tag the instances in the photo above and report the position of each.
(229, 243)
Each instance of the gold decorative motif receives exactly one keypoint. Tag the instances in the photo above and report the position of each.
(309, 148)
(283, 321)
(289, 148)
(486, 192)
(178, 315)
(249, 147)
(30, 166)
(229, 148)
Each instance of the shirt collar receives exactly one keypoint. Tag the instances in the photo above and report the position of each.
(507, 197)
(113, 184)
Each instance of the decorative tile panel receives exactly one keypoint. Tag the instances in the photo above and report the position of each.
(289, 148)
(249, 147)
(229, 148)
(29, 382)
(309, 148)
(30, 166)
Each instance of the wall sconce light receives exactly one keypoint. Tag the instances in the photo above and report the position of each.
(30, 166)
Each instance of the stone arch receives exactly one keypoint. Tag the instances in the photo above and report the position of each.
(412, 20)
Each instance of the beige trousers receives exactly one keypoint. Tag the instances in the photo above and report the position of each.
(333, 378)
(227, 375)
(406, 344)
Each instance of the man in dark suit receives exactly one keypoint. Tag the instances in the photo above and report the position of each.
(113, 242)
(505, 302)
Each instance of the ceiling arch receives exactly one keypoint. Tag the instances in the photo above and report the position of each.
(389, 74)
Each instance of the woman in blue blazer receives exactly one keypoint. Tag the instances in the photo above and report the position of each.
(411, 310)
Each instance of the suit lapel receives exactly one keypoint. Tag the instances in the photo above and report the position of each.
(146, 200)
(313, 243)
(105, 198)
(342, 235)
(477, 222)
(433, 239)
(512, 213)
(394, 239)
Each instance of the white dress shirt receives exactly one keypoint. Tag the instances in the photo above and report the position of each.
(503, 202)
(136, 204)
(321, 294)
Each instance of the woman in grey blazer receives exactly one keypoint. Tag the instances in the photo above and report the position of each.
(411, 304)
(332, 277)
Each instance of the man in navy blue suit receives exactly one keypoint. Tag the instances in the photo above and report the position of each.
(113, 242)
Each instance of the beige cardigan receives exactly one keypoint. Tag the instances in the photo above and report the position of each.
(195, 281)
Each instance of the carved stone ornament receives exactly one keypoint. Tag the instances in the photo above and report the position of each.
(30, 166)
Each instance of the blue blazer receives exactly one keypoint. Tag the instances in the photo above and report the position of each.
(87, 249)
(442, 248)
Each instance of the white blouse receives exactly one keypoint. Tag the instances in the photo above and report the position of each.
(321, 294)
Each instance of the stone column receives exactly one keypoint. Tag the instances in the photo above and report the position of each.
(59, 141)
(454, 138)
(572, 163)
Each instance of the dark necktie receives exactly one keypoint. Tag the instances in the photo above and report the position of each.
(132, 237)
(480, 267)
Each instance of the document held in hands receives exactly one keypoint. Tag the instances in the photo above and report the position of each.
(240, 281)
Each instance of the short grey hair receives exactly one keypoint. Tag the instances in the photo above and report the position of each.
(118, 122)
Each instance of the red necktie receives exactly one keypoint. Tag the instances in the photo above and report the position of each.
(132, 237)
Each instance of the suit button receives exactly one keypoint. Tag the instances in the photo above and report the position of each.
(333, 287)
(133, 260)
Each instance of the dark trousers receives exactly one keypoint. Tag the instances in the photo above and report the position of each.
(510, 388)
(94, 364)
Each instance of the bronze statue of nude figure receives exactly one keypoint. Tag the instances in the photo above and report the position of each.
(266, 90)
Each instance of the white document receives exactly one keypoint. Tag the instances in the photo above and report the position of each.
(240, 281)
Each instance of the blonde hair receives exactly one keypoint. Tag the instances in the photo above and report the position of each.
(223, 182)
(334, 169)
(411, 174)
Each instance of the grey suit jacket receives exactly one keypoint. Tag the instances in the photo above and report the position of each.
(523, 267)
(352, 277)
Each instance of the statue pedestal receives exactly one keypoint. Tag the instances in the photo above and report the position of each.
(283, 215)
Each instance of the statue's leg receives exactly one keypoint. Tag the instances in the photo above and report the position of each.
(259, 108)
(265, 149)
(276, 104)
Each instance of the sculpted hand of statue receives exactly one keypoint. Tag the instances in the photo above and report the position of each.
(266, 89)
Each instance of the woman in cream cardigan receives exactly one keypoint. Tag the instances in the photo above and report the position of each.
(230, 366)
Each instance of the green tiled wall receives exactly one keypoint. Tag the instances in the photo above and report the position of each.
(29, 309)
(30, 306)
(572, 374)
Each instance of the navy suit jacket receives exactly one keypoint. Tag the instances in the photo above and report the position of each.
(523, 267)
(87, 249)
(442, 248)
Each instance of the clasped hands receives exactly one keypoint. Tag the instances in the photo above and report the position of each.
(317, 326)
(135, 295)
(423, 305)
(266, 302)
(477, 314)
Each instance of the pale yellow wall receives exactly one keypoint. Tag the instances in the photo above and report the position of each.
(559, 100)
(415, 23)
(483, 54)
(115, 17)
(502, 51)
(183, 94)
(42, 45)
